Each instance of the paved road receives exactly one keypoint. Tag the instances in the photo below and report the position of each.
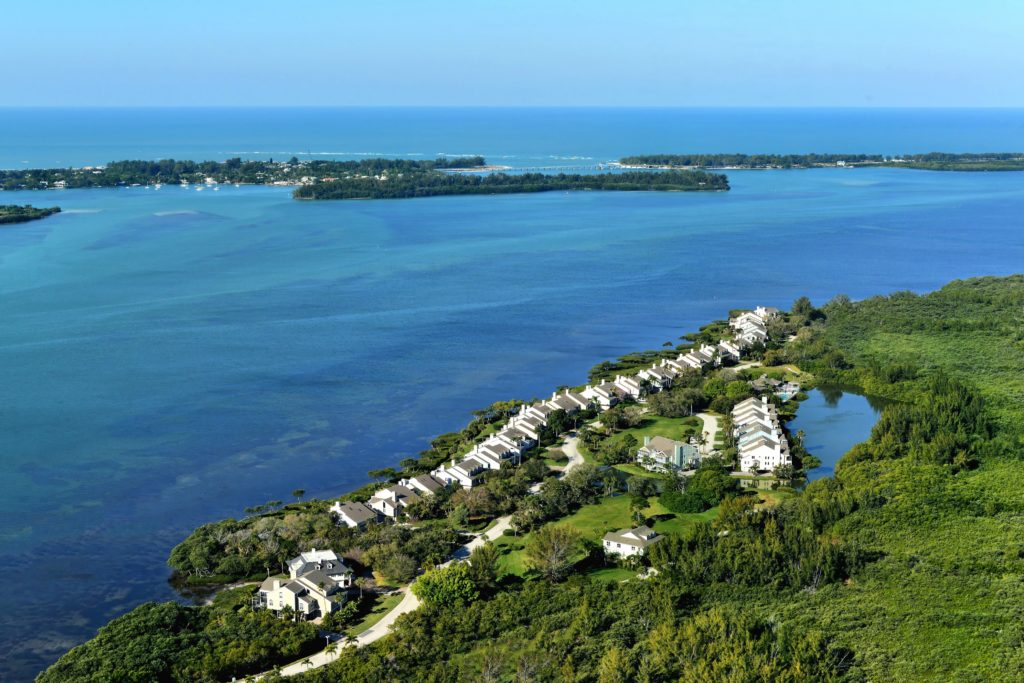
(571, 449)
(410, 602)
(710, 429)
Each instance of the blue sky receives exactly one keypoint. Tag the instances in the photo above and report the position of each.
(521, 52)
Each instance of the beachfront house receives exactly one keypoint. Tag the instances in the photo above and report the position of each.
(629, 542)
(392, 500)
(425, 484)
(631, 386)
(659, 454)
(568, 401)
(659, 376)
(318, 584)
(466, 473)
(353, 515)
(605, 394)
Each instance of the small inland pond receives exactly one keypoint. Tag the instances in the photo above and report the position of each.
(833, 420)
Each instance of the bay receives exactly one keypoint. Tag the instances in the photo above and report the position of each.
(171, 357)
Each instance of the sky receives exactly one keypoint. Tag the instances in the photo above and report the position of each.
(888, 53)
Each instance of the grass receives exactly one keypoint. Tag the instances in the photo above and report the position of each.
(380, 607)
(636, 470)
(594, 521)
(678, 429)
(555, 457)
(612, 574)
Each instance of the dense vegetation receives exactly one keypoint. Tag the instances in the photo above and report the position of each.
(908, 565)
(435, 183)
(933, 161)
(172, 642)
(746, 160)
(12, 213)
(171, 171)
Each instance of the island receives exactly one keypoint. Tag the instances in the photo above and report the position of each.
(12, 213)
(650, 524)
(435, 183)
(933, 161)
(364, 179)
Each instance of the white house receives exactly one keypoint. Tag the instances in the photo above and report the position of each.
(527, 424)
(630, 542)
(603, 394)
(764, 454)
(569, 402)
(660, 376)
(392, 500)
(761, 445)
(537, 410)
(425, 484)
(353, 515)
(467, 472)
(628, 385)
(729, 349)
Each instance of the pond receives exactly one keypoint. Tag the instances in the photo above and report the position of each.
(833, 420)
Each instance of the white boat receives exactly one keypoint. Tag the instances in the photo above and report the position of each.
(216, 189)
(199, 189)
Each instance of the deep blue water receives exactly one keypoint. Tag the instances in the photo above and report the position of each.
(171, 357)
(523, 136)
(833, 421)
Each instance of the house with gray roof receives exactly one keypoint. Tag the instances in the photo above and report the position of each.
(659, 454)
(318, 584)
(392, 500)
(353, 514)
(630, 542)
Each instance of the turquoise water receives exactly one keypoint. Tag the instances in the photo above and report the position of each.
(171, 357)
(833, 421)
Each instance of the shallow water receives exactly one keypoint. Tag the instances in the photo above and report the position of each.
(171, 357)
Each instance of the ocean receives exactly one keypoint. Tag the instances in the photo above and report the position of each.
(170, 357)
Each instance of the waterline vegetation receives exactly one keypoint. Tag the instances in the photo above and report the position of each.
(850, 579)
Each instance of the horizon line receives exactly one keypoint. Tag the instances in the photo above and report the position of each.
(511, 106)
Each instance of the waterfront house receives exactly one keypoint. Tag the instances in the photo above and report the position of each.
(353, 515)
(629, 542)
(729, 349)
(760, 442)
(537, 410)
(528, 425)
(467, 472)
(569, 402)
(603, 394)
(764, 454)
(660, 376)
(318, 584)
(630, 386)
(425, 484)
(392, 500)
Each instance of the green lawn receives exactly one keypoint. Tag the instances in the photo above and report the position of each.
(381, 606)
(612, 574)
(638, 471)
(594, 521)
(679, 429)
